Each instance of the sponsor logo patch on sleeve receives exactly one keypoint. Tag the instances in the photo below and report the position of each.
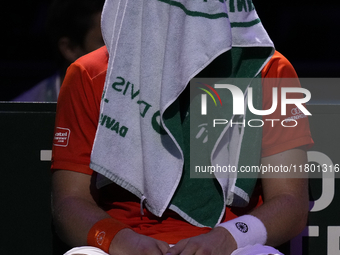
(61, 137)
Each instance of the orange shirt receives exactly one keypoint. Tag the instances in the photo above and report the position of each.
(278, 139)
(75, 128)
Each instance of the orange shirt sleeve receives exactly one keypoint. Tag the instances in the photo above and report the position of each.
(78, 113)
(276, 138)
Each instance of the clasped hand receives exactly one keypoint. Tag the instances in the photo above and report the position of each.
(216, 242)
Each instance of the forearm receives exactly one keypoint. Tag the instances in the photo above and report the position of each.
(74, 209)
(285, 208)
(284, 217)
(76, 212)
(74, 217)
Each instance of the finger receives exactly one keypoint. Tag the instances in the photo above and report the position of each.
(163, 246)
(177, 248)
(152, 248)
(190, 248)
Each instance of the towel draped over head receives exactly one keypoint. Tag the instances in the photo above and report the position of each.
(155, 48)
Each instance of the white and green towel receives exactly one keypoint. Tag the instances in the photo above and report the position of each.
(155, 48)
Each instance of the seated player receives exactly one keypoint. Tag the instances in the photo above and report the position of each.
(89, 210)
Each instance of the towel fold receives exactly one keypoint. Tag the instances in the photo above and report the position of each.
(203, 195)
(155, 48)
